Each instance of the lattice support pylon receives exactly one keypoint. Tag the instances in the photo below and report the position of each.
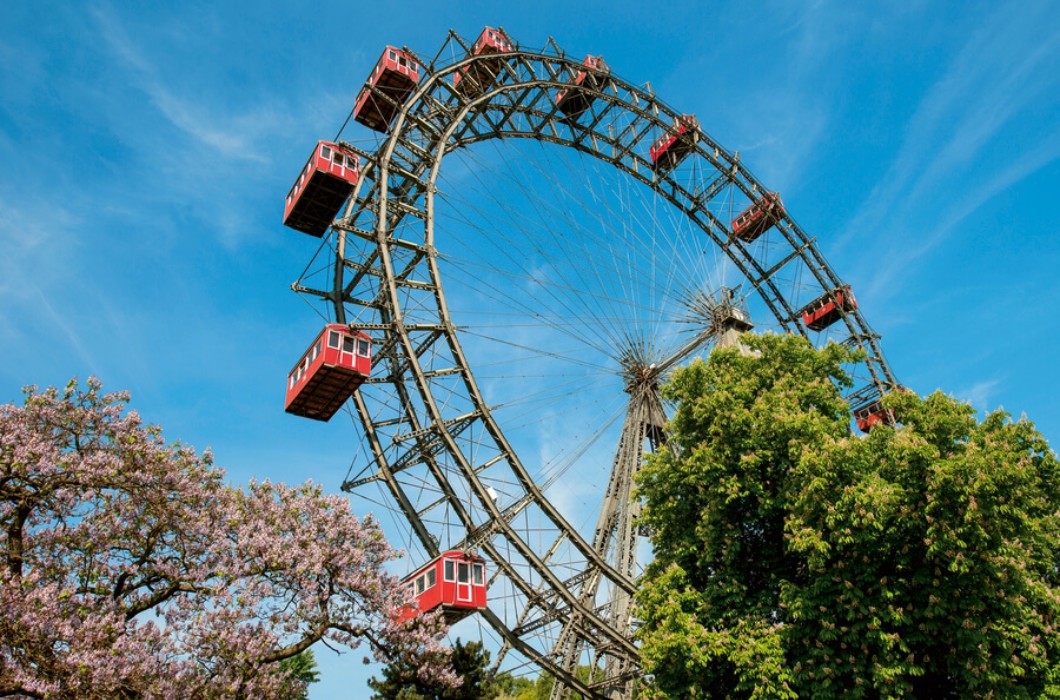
(616, 535)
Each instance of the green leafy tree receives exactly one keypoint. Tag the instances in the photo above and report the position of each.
(796, 560)
(511, 687)
(301, 668)
(541, 689)
(470, 662)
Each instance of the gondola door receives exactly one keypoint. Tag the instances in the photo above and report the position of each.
(346, 358)
(463, 582)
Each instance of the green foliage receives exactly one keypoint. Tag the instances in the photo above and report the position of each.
(511, 687)
(541, 689)
(469, 661)
(794, 560)
(302, 668)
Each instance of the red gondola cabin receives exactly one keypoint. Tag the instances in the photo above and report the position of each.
(337, 362)
(392, 81)
(476, 77)
(872, 412)
(455, 582)
(828, 308)
(758, 218)
(869, 415)
(572, 101)
(671, 148)
(317, 195)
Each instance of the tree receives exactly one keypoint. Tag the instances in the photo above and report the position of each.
(511, 687)
(541, 688)
(130, 569)
(796, 560)
(470, 662)
(301, 667)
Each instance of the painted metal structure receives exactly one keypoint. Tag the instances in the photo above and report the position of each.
(558, 598)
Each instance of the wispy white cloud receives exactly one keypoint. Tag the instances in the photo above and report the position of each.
(959, 209)
(210, 140)
(21, 75)
(211, 128)
(37, 241)
(952, 158)
(39, 283)
(71, 335)
(980, 395)
(793, 110)
(233, 136)
(988, 85)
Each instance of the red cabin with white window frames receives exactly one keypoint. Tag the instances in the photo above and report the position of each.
(828, 308)
(758, 218)
(573, 102)
(393, 79)
(671, 148)
(869, 415)
(475, 78)
(872, 412)
(454, 582)
(334, 366)
(325, 182)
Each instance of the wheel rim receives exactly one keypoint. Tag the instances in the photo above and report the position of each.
(433, 436)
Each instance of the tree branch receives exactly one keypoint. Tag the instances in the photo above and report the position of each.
(309, 640)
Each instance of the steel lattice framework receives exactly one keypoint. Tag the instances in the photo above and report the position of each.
(558, 598)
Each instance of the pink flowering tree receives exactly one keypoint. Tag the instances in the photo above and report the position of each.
(131, 569)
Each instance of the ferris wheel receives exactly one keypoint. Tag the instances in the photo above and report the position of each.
(529, 250)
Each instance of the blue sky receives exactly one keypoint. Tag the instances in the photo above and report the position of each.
(145, 151)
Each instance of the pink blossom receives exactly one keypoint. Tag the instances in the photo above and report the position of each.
(130, 568)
